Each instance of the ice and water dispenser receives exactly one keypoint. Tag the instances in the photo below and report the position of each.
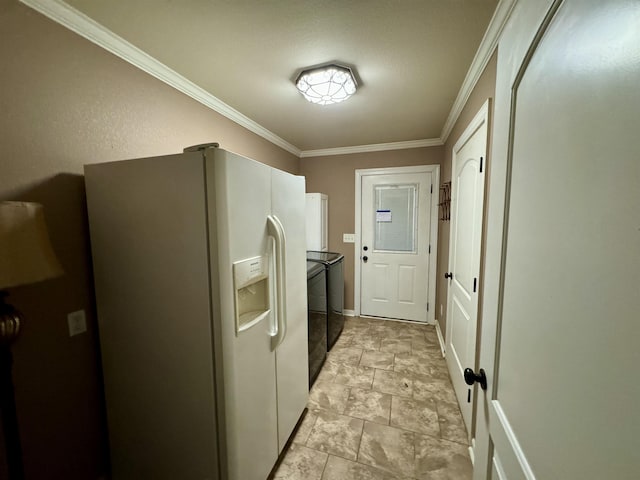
(251, 288)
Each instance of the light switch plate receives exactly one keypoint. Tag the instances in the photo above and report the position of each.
(349, 237)
(77, 323)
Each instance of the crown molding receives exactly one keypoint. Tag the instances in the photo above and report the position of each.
(483, 54)
(375, 147)
(76, 21)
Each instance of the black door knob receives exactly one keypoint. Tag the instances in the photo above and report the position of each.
(365, 258)
(471, 377)
(365, 248)
(448, 275)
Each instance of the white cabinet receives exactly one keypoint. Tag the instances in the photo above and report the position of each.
(317, 222)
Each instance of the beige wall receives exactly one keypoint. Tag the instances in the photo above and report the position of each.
(484, 89)
(335, 176)
(63, 103)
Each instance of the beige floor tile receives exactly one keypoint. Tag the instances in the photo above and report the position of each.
(305, 427)
(352, 325)
(340, 469)
(328, 371)
(432, 337)
(356, 321)
(409, 334)
(420, 344)
(354, 376)
(349, 355)
(344, 340)
(328, 396)
(415, 415)
(430, 388)
(451, 423)
(400, 421)
(369, 405)
(301, 463)
(366, 341)
(336, 434)
(441, 460)
(394, 345)
(387, 448)
(431, 355)
(384, 331)
(421, 364)
(394, 383)
(374, 359)
(423, 329)
(377, 320)
(439, 365)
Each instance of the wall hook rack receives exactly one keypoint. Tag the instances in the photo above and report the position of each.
(445, 201)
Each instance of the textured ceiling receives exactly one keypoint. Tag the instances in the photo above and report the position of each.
(411, 57)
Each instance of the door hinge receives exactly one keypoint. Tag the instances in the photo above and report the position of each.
(432, 188)
(475, 284)
(427, 306)
(429, 248)
(481, 159)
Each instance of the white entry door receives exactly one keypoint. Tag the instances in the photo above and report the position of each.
(395, 240)
(561, 300)
(467, 200)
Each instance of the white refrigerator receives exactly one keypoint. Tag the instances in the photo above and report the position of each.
(200, 279)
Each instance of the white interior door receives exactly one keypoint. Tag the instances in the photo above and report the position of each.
(467, 200)
(561, 296)
(396, 232)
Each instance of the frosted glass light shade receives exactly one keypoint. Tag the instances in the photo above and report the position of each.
(326, 85)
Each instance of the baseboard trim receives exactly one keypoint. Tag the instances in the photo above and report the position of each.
(440, 338)
(472, 451)
(349, 313)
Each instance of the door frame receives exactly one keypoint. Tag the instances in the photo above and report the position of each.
(434, 170)
(481, 118)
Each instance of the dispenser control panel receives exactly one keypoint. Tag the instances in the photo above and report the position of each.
(246, 272)
(251, 286)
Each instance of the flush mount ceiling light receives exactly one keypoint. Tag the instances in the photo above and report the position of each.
(327, 84)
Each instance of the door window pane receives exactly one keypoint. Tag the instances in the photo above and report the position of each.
(395, 218)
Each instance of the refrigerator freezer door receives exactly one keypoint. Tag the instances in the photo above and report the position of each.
(288, 205)
(239, 196)
(149, 247)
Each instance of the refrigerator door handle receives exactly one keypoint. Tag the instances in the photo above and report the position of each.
(276, 230)
(273, 332)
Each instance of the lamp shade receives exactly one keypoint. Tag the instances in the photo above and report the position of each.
(26, 255)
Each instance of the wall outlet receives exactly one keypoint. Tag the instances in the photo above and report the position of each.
(77, 323)
(349, 237)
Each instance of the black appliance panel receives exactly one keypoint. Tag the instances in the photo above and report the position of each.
(334, 263)
(317, 318)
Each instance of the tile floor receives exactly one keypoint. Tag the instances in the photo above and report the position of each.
(382, 408)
